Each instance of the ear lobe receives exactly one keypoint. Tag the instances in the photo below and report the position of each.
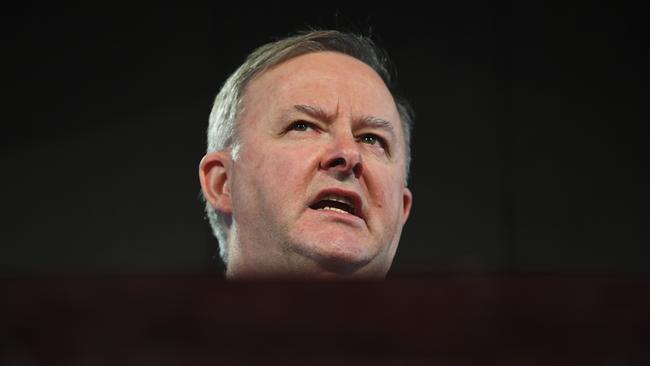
(407, 200)
(214, 174)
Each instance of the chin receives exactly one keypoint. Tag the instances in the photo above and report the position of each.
(325, 274)
(339, 257)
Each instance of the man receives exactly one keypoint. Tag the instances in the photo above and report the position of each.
(307, 162)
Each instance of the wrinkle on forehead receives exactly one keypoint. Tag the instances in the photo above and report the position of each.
(322, 69)
(333, 81)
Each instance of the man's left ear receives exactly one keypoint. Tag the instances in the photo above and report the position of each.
(407, 201)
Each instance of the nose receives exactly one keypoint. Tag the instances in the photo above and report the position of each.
(343, 158)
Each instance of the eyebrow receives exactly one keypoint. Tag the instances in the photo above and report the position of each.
(365, 121)
(314, 112)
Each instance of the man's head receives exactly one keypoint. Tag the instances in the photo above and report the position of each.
(308, 159)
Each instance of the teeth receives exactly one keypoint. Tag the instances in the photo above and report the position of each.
(334, 209)
(333, 197)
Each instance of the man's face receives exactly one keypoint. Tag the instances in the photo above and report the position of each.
(317, 187)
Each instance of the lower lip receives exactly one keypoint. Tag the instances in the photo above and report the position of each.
(339, 216)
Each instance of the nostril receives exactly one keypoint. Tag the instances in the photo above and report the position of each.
(337, 162)
(358, 170)
(342, 165)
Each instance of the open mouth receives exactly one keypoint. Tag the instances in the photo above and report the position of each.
(334, 204)
(338, 202)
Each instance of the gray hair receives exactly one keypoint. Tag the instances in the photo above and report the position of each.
(228, 105)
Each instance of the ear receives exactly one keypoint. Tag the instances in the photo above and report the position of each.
(214, 174)
(407, 198)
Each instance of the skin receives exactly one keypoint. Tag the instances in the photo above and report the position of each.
(305, 128)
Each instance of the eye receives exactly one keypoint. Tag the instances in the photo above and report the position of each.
(371, 139)
(374, 140)
(300, 126)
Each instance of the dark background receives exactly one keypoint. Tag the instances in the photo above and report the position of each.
(530, 147)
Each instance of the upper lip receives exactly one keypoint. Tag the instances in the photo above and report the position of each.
(351, 195)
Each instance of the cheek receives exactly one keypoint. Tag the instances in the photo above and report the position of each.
(386, 193)
(275, 172)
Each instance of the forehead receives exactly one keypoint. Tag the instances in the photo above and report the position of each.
(330, 80)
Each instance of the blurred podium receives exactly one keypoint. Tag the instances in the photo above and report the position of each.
(440, 319)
